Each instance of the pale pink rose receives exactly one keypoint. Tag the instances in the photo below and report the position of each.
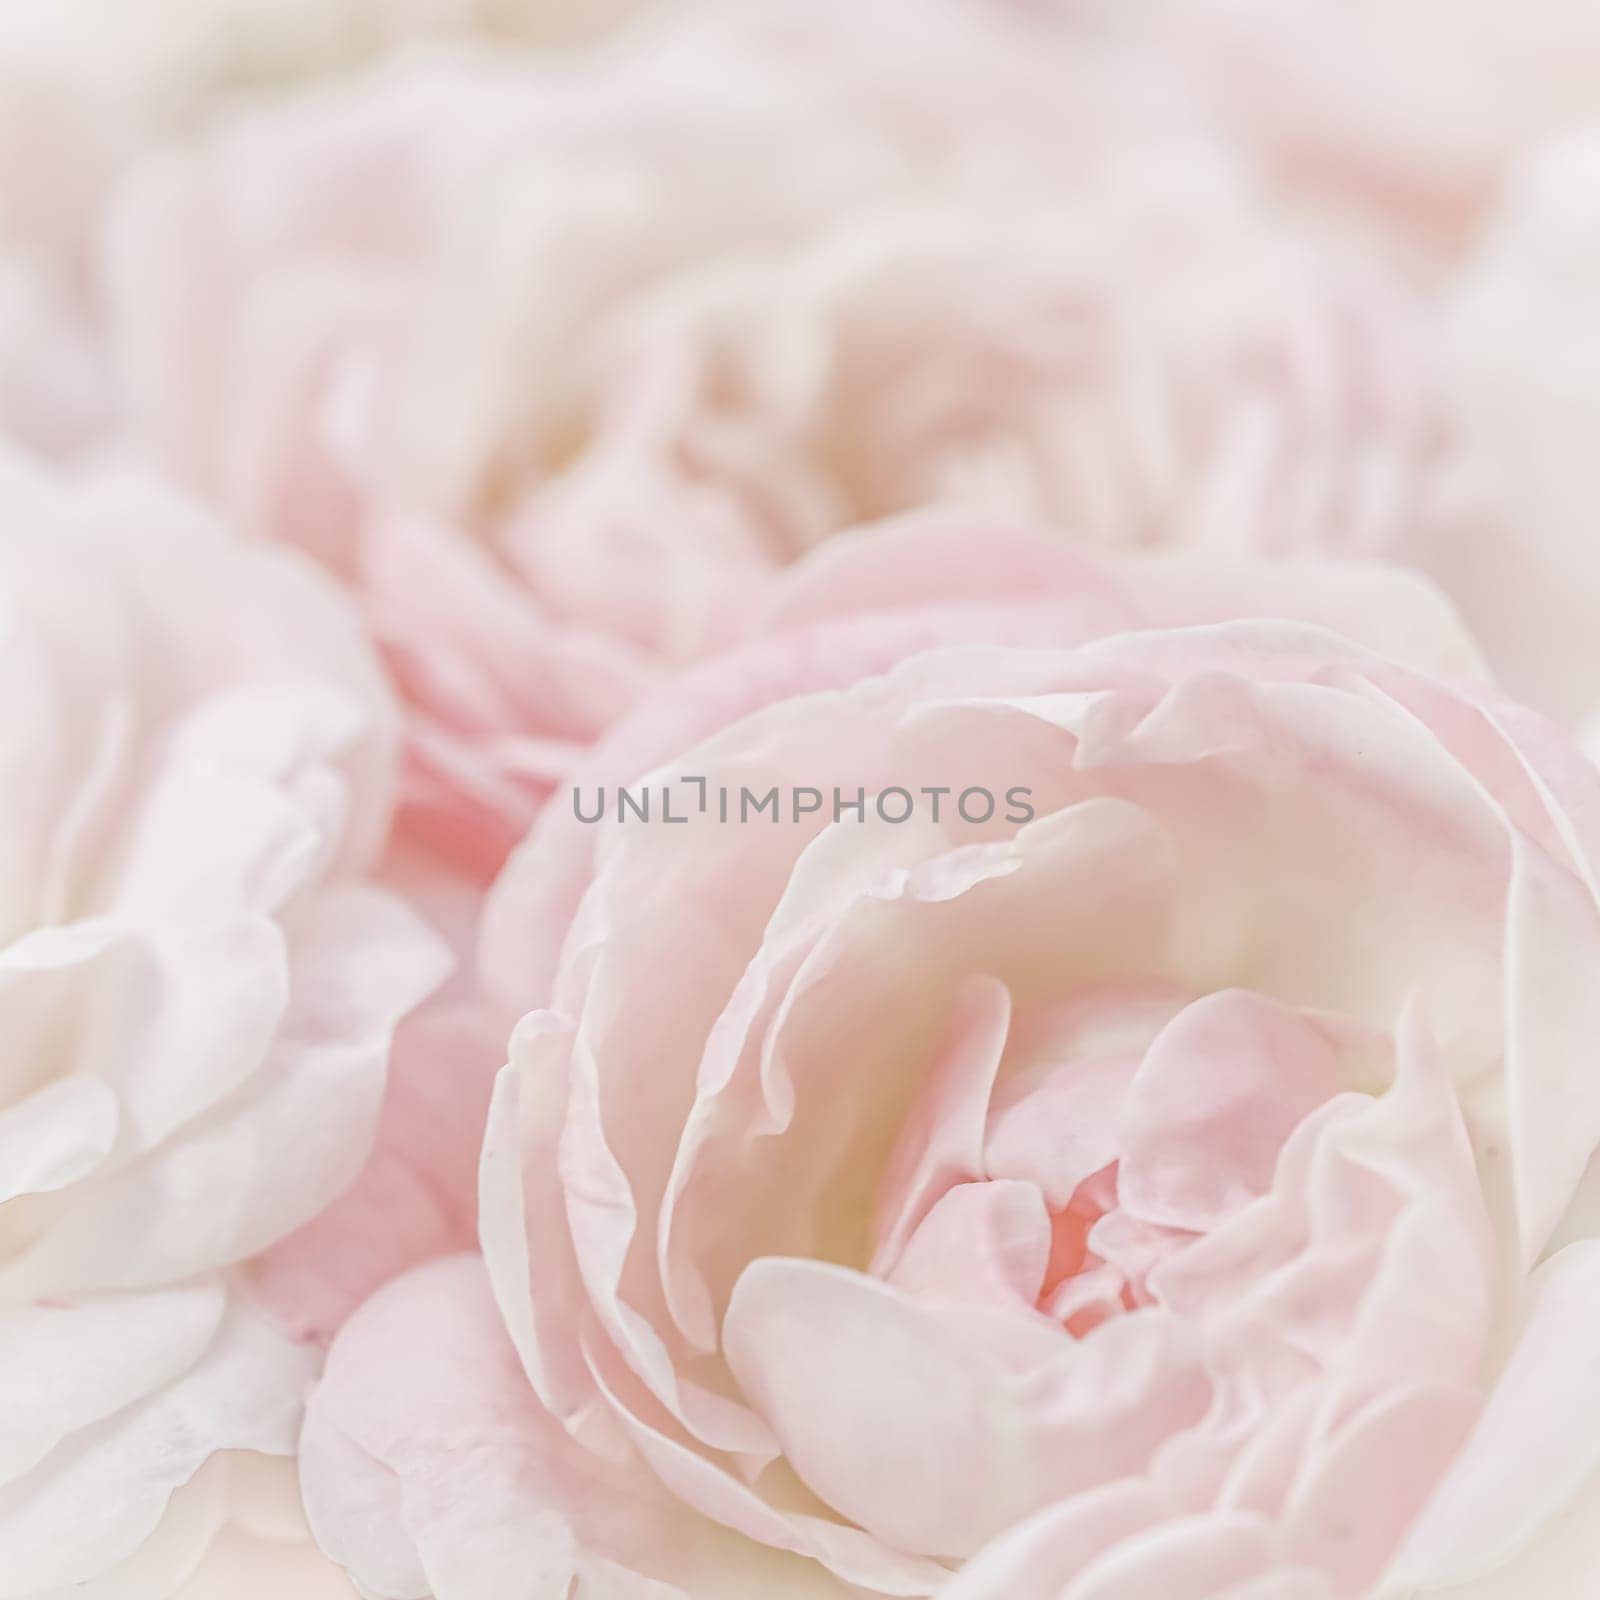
(201, 980)
(1405, 112)
(1165, 368)
(1525, 323)
(547, 365)
(88, 88)
(549, 368)
(1184, 1190)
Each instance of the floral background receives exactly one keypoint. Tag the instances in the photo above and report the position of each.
(419, 418)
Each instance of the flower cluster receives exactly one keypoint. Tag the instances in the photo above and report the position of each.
(795, 800)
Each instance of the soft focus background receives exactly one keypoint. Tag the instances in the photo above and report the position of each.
(1390, 212)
